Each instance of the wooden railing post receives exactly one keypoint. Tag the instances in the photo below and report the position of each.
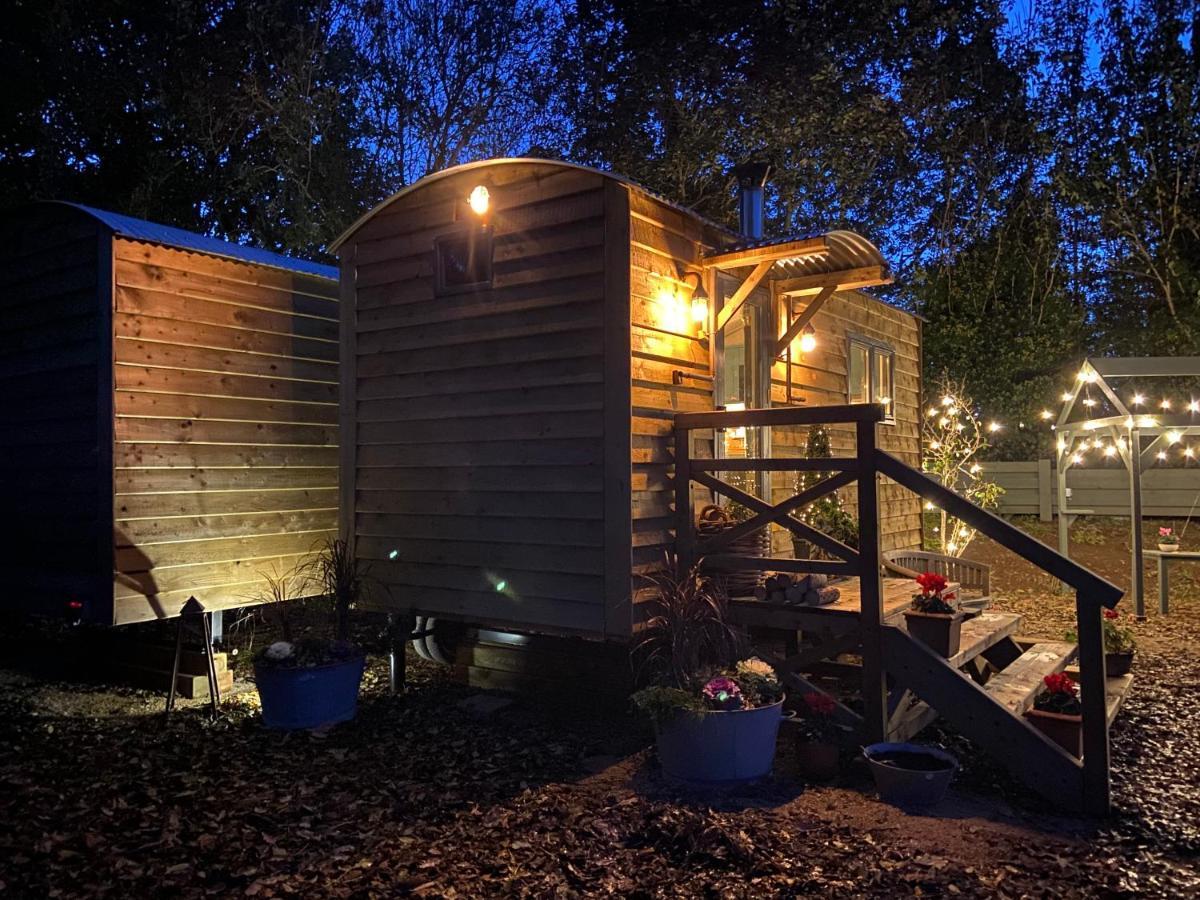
(871, 589)
(685, 534)
(1093, 697)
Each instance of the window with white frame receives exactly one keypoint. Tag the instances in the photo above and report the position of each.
(871, 373)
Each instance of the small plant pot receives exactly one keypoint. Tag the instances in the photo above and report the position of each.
(1064, 730)
(1168, 548)
(720, 747)
(818, 760)
(910, 775)
(940, 632)
(1117, 664)
(308, 697)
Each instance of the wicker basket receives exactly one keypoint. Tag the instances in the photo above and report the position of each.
(715, 520)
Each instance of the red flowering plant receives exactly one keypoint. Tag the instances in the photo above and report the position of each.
(816, 721)
(1059, 695)
(1118, 638)
(933, 598)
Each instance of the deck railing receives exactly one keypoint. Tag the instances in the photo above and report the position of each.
(869, 462)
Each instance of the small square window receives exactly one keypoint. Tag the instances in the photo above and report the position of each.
(871, 374)
(463, 262)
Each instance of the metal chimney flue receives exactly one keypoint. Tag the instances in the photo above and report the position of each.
(752, 179)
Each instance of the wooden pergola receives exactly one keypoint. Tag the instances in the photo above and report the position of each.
(1125, 427)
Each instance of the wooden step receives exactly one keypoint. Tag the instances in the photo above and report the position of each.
(983, 632)
(152, 655)
(1115, 691)
(1016, 686)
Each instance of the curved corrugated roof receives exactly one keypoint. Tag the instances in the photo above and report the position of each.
(507, 160)
(154, 233)
(844, 250)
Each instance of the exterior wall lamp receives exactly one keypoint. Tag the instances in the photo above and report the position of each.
(699, 303)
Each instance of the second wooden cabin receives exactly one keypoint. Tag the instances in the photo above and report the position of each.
(517, 336)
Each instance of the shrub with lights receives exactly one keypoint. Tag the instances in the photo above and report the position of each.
(953, 437)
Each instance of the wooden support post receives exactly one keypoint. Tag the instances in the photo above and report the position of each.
(1064, 523)
(875, 696)
(685, 529)
(400, 631)
(1137, 581)
(1093, 681)
(1164, 586)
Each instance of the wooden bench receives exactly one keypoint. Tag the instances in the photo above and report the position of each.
(1164, 557)
(971, 576)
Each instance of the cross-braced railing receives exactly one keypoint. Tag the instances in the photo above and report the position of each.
(885, 650)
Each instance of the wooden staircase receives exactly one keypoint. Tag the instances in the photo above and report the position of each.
(985, 690)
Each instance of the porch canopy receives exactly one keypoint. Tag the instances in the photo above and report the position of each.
(1113, 399)
(814, 267)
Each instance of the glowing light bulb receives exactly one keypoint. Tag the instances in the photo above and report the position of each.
(947, 400)
(1138, 399)
(501, 585)
(1162, 454)
(932, 412)
(943, 422)
(935, 445)
(1110, 450)
(1189, 452)
(976, 467)
(1046, 414)
(808, 340)
(1165, 404)
(929, 506)
(1174, 437)
(1088, 401)
(479, 199)
(1194, 406)
(1076, 458)
(994, 426)
(1066, 397)
(952, 546)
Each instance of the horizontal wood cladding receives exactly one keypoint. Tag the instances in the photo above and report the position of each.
(820, 379)
(665, 248)
(51, 443)
(225, 427)
(478, 416)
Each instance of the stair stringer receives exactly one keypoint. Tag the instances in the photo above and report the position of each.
(1013, 742)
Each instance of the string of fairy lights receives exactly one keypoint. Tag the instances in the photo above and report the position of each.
(1104, 435)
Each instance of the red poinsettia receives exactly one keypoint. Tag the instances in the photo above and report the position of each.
(1060, 683)
(1060, 696)
(931, 599)
(818, 704)
(1111, 614)
(931, 582)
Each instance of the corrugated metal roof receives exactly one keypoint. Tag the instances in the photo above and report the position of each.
(846, 250)
(153, 233)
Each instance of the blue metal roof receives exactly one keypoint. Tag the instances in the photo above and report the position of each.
(153, 233)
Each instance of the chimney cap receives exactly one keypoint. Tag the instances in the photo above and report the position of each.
(752, 174)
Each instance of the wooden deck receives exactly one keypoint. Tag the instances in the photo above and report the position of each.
(897, 595)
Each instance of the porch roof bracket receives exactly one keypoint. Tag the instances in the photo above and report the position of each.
(728, 311)
(803, 319)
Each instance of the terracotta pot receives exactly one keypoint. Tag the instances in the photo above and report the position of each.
(1168, 548)
(817, 759)
(940, 632)
(1066, 731)
(1117, 664)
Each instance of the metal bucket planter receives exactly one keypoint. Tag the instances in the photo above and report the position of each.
(306, 697)
(910, 774)
(940, 632)
(721, 747)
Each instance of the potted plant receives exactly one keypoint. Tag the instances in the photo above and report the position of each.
(715, 721)
(820, 736)
(1119, 644)
(1168, 540)
(1057, 714)
(313, 682)
(933, 619)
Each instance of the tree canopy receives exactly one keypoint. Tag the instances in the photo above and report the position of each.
(1029, 169)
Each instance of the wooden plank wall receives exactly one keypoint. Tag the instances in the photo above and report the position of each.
(1031, 488)
(665, 245)
(480, 415)
(225, 452)
(50, 459)
(820, 379)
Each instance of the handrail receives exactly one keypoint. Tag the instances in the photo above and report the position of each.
(1100, 592)
(782, 415)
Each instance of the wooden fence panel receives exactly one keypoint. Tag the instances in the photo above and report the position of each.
(1030, 488)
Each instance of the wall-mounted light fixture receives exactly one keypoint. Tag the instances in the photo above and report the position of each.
(699, 302)
(808, 339)
(479, 199)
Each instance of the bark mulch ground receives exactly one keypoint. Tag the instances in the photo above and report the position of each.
(420, 797)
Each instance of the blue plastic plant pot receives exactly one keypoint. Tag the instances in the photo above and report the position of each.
(720, 747)
(901, 786)
(309, 697)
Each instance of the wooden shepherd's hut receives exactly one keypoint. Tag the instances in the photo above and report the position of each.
(517, 336)
(170, 418)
